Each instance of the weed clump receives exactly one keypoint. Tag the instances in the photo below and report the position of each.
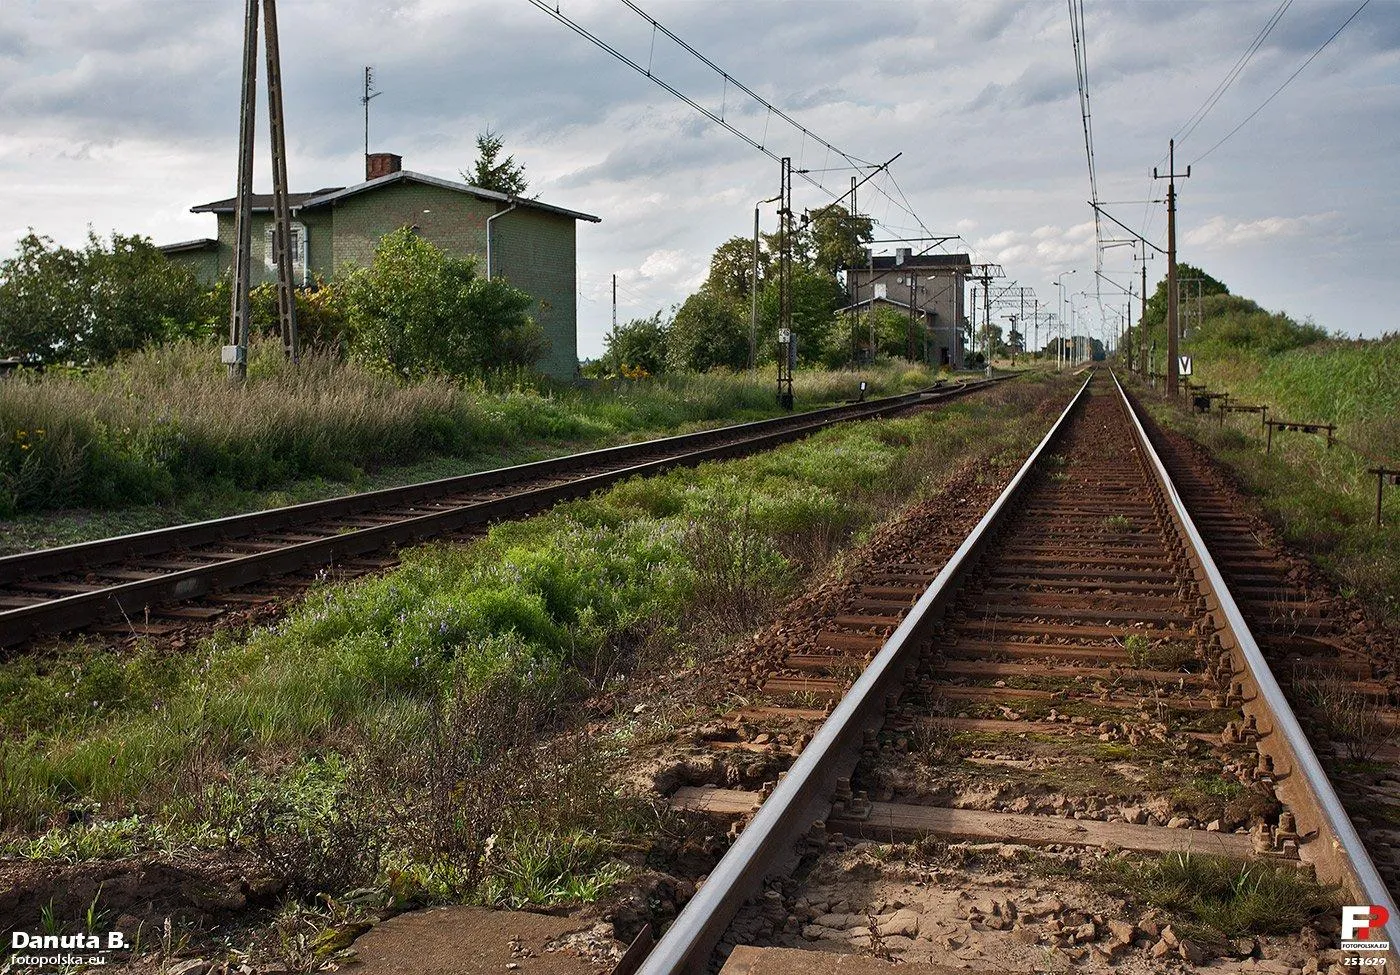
(1221, 897)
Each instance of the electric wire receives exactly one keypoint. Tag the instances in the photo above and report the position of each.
(1081, 67)
(1189, 126)
(729, 80)
(1287, 82)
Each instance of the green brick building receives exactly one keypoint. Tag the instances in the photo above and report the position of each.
(532, 245)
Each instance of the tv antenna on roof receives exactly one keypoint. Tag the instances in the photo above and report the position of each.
(365, 100)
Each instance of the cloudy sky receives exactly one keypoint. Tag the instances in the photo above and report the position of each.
(122, 114)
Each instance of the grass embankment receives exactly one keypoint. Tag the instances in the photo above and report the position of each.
(1323, 500)
(385, 733)
(166, 427)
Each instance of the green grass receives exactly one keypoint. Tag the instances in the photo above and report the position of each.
(381, 732)
(165, 426)
(1322, 500)
(1219, 897)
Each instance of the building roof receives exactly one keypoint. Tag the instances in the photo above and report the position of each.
(943, 262)
(330, 197)
(262, 202)
(904, 305)
(186, 246)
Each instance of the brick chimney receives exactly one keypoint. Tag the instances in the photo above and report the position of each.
(379, 164)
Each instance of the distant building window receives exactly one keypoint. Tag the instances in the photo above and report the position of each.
(298, 251)
(881, 290)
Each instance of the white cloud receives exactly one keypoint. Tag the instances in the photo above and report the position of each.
(1220, 232)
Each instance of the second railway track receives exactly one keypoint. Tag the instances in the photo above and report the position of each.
(122, 582)
(1078, 657)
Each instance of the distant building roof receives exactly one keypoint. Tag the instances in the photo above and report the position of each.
(187, 246)
(904, 305)
(326, 197)
(947, 262)
(262, 202)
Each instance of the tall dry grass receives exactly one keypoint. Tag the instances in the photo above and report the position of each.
(167, 421)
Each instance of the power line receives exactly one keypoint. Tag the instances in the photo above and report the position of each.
(771, 110)
(1081, 67)
(1286, 83)
(1199, 115)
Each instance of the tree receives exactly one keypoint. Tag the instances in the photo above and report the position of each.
(1015, 341)
(493, 173)
(814, 298)
(416, 311)
(639, 344)
(731, 268)
(848, 339)
(835, 240)
(1157, 303)
(92, 305)
(709, 330)
(998, 346)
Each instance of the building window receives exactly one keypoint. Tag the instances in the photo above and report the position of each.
(881, 291)
(298, 251)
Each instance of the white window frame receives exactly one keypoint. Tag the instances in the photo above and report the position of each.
(299, 270)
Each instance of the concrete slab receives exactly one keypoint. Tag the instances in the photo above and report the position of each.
(889, 820)
(477, 941)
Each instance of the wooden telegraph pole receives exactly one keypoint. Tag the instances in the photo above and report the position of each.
(281, 210)
(235, 354)
(1173, 362)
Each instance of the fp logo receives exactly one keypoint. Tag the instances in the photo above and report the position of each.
(1363, 928)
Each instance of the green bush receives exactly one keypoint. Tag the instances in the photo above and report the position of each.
(710, 329)
(637, 348)
(415, 311)
(91, 305)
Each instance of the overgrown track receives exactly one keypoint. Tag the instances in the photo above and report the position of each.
(982, 695)
(133, 582)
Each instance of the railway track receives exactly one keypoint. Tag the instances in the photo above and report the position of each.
(1045, 681)
(143, 584)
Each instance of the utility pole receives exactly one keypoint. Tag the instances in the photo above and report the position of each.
(235, 354)
(753, 298)
(787, 342)
(909, 329)
(987, 320)
(614, 277)
(281, 209)
(855, 343)
(1021, 318)
(1173, 363)
(365, 100)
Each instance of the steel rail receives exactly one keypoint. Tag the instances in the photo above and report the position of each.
(130, 599)
(803, 794)
(1345, 849)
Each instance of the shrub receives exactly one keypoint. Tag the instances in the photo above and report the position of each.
(91, 305)
(709, 330)
(637, 345)
(415, 311)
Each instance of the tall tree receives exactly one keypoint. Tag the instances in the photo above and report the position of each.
(731, 268)
(836, 239)
(491, 172)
